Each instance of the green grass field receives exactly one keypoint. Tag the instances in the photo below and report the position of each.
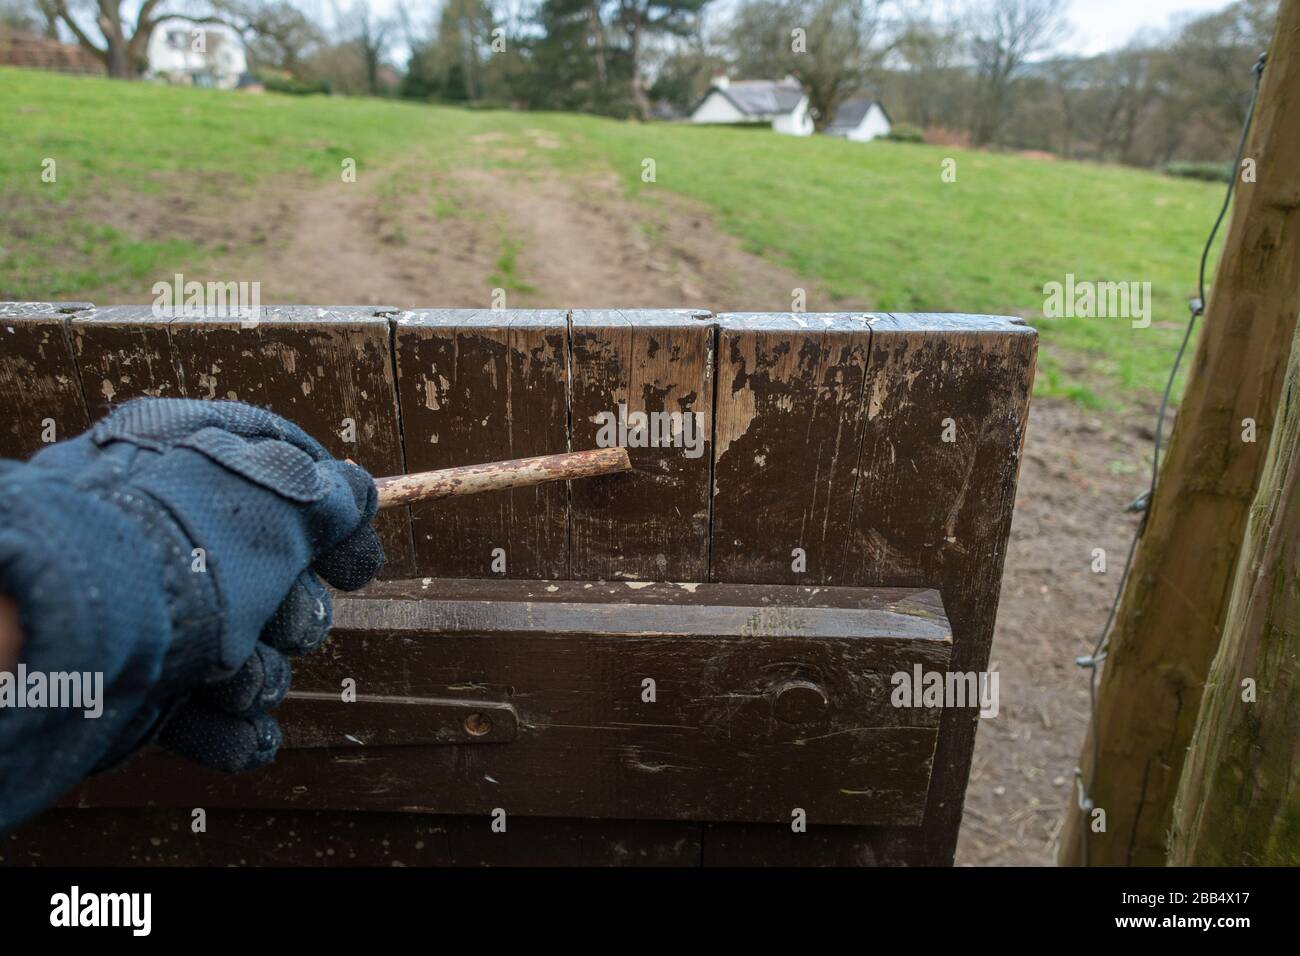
(874, 224)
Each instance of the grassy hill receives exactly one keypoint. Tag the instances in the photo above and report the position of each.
(874, 225)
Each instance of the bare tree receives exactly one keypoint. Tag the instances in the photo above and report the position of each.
(599, 42)
(414, 28)
(275, 33)
(830, 46)
(49, 19)
(464, 36)
(1003, 35)
(1126, 86)
(122, 42)
(370, 34)
(927, 48)
(1204, 63)
(1067, 79)
(641, 19)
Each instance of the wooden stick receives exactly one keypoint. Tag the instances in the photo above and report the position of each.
(516, 473)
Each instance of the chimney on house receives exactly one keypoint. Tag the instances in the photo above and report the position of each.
(721, 82)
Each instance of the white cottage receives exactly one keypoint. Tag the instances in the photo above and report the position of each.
(781, 103)
(197, 54)
(861, 119)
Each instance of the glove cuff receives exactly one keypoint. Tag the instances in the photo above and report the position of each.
(85, 571)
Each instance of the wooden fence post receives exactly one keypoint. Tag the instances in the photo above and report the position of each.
(1174, 603)
(1239, 798)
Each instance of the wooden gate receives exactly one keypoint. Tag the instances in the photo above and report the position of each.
(670, 666)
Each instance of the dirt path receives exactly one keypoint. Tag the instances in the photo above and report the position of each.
(546, 239)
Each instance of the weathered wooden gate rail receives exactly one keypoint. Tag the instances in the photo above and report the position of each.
(824, 462)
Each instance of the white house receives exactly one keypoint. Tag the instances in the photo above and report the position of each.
(197, 54)
(861, 119)
(782, 103)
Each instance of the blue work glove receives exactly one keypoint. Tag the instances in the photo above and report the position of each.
(177, 549)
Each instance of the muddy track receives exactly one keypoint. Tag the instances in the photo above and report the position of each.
(546, 240)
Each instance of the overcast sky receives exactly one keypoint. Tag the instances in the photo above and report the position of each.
(1106, 24)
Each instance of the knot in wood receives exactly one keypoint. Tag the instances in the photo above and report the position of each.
(798, 701)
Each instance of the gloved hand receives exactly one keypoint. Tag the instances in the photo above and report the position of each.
(176, 548)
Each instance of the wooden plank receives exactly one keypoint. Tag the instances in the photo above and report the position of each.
(124, 352)
(725, 738)
(327, 369)
(789, 434)
(40, 397)
(477, 386)
(654, 523)
(948, 527)
(927, 509)
(925, 513)
(163, 837)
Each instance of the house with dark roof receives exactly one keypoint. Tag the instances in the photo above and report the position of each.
(860, 119)
(780, 103)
